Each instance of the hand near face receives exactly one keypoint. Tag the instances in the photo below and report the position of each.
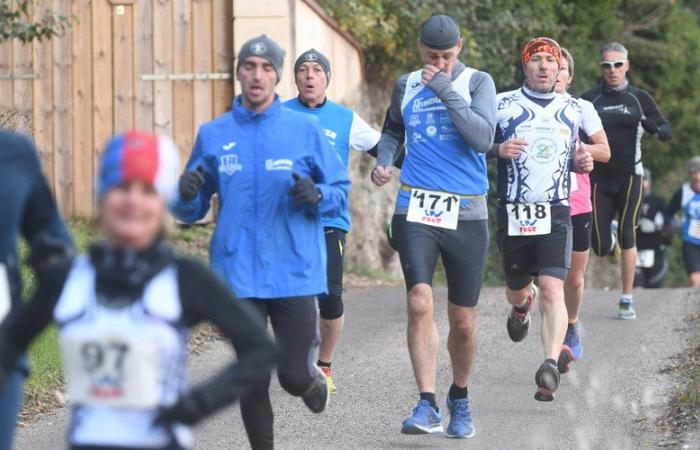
(429, 71)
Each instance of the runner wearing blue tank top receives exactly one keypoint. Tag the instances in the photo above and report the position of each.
(445, 113)
(345, 130)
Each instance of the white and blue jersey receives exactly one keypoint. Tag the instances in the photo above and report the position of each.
(689, 200)
(541, 173)
(437, 156)
(345, 130)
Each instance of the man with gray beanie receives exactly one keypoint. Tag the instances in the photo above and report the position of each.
(446, 114)
(275, 176)
(345, 130)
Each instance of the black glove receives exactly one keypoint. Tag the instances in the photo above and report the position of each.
(47, 250)
(649, 126)
(304, 191)
(186, 410)
(665, 132)
(190, 183)
(667, 233)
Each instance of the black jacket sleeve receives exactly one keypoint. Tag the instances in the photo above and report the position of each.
(42, 225)
(205, 297)
(393, 133)
(652, 111)
(673, 206)
(29, 320)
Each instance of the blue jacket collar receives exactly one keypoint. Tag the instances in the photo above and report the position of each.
(243, 114)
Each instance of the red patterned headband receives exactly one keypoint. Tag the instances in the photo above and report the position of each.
(542, 44)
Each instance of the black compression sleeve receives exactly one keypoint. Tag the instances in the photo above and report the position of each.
(205, 297)
(26, 322)
(651, 109)
(673, 206)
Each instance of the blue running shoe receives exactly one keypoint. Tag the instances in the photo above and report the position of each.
(461, 424)
(425, 420)
(573, 341)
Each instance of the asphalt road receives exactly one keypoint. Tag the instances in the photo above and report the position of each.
(607, 401)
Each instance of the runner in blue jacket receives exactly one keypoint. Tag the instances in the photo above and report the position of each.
(275, 175)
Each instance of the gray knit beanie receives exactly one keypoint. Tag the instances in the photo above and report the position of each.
(439, 32)
(313, 55)
(263, 47)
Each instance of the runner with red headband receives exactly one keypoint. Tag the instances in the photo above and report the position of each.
(535, 140)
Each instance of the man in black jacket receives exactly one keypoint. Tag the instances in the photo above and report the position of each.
(616, 186)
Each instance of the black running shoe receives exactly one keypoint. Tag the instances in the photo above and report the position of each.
(565, 358)
(318, 395)
(547, 379)
(519, 323)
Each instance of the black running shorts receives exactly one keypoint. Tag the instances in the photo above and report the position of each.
(527, 256)
(463, 254)
(691, 257)
(581, 225)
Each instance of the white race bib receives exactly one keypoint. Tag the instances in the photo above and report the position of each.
(529, 219)
(117, 370)
(5, 298)
(645, 258)
(574, 182)
(694, 228)
(434, 208)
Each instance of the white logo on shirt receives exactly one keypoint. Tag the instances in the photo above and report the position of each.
(229, 164)
(278, 164)
(622, 109)
(413, 120)
(229, 146)
(331, 135)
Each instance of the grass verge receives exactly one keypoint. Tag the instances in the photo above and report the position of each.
(680, 419)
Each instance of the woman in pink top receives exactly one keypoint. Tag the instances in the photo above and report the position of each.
(580, 201)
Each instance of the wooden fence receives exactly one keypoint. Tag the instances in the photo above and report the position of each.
(156, 65)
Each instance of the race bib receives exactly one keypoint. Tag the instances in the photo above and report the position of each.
(117, 371)
(694, 229)
(529, 219)
(574, 182)
(434, 208)
(5, 298)
(645, 258)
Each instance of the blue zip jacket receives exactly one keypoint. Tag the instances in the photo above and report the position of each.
(263, 245)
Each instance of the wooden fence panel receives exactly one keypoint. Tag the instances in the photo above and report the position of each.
(102, 72)
(42, 122)
(63, 117)
(22, 87)
(202, 63)
(83, 162)
(143, 56)
(222, 48)
(182, 90)
(163, 64)
(123, 52)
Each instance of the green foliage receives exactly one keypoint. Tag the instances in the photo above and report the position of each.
(17, 22)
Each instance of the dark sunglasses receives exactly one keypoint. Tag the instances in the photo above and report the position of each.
(607, 65)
